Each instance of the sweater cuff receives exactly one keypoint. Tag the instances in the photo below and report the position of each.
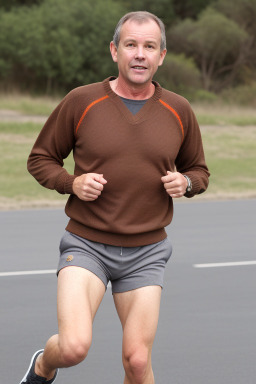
(64, 183)
(69, 184)
(196, 186)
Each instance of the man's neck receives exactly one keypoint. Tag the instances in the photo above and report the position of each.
(145, 91)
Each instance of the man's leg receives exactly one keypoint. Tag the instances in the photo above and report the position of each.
(138, 311)
(79, 295)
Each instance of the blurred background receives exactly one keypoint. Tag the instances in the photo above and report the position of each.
(48, 47)
(52, 46)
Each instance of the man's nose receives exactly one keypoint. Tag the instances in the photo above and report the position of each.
(140, 55)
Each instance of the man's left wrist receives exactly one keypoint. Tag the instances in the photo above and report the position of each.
(189, 186)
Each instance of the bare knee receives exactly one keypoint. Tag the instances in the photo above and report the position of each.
(74, 351)
(136, 364)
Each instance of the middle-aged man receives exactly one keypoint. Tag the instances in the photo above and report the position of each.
(136, 146)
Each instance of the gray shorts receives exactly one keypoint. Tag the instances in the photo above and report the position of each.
(127, 268)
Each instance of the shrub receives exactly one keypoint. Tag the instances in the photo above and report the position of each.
(179, 74)
(240, 95)
(205, 96)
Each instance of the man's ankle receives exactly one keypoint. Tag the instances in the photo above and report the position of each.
(40, 371)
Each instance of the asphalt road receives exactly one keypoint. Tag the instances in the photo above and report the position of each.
(206, 332)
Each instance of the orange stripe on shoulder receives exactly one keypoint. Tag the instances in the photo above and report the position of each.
(87, 109)
(176, 114)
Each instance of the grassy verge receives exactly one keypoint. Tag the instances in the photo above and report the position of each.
(216, 113)
(231, 157)
(230, 154)
(26, 104)
(224, 115)
(17, 187)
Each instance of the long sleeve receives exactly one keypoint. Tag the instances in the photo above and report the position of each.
(191, 159)
(53, 145)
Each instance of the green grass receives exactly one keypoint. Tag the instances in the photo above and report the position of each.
(16, 184)
(25, 129)
(215, 113)
(222, 115)
(231, 157)
(28, 105)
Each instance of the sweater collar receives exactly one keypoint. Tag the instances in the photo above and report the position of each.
(156, 96)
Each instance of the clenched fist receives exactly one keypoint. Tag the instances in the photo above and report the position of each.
(89, 186)
(175, 184)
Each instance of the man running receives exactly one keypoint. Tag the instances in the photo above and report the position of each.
(136, 147)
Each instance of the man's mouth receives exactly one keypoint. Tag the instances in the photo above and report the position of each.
(139, 67)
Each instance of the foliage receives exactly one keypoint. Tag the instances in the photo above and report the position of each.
(243, 12)
(9, 4)
(162, 8)
(240, 95)
(179, 74)
(190, 8)
(203, 96)
(52, 46)
(215, 42)
(58, 45)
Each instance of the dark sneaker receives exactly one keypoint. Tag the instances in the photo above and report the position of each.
(31, 377)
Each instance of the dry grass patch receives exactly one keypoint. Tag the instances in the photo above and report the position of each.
(225, 115)
(28, 104)
(231, 156)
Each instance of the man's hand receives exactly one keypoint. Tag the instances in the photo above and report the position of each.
(175, 184)
(88, 187)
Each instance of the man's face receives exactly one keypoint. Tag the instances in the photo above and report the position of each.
(138, 54)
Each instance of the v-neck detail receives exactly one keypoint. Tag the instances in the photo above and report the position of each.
(133, 105)
(143, 113)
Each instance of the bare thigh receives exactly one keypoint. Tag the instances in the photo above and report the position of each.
(80, 293)
(138, 311)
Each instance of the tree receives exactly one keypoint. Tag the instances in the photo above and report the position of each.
(190, 8)
(9, 4)
(161, 8)
(58, 45)
(215, 43)
(243, 12)
(179, 74)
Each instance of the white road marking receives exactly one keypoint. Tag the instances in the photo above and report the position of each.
(208, 265)
(23, 273)
(228, 264)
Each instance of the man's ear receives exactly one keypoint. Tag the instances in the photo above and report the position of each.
(113, 51)
(162, 56)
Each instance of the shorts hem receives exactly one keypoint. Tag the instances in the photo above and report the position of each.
(121, 288)
(89, 268)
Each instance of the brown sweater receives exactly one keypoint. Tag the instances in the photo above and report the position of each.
(133, 152)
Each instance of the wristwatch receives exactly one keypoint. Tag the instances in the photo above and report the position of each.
(189, 187)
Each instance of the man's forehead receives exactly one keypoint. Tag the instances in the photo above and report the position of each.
(141, 28)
